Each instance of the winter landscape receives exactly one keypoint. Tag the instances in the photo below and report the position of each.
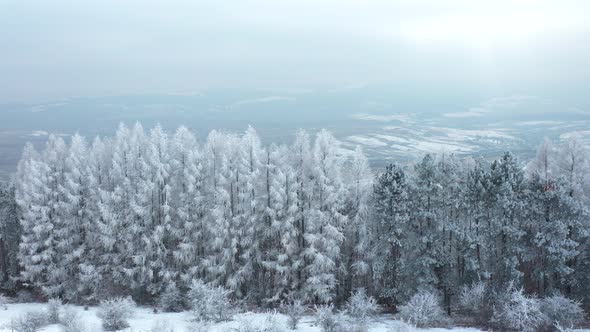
(337, 166)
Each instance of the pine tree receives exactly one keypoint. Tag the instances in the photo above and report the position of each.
(473, 248)
(423, 261)
(96, 268)
(506, 189)
(250, 207)
(10, 234)
(161, 237)
(390, 232)
(356, 245)
(189, 204)
(75, 217)
(278, 242)
(327, 220)
(302, 162)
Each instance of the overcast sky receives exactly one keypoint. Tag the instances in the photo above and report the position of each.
(53, 49)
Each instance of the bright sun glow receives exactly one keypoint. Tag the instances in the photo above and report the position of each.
(481, 30)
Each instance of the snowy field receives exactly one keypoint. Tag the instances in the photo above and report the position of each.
(144, 320)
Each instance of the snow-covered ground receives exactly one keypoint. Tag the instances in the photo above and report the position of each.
(144, 320)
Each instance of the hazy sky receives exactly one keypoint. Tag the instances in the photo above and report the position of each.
(59, 49)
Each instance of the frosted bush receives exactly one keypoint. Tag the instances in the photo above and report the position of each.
(24, 296)
(3, 302)
(271, 323)
(328, 321)
(294, 311)
(71, 321)
(345, 325)
(560, 328)
(171, 300)
(209, 303)
(244, 325)
(360, 306)
(115, 312)
(518, 312)
(199, 326)
(401, 327)
(422, 310)
(561, 312)
(471, 298)
(53, 309)
(325, 318)
(161, 326)
(31, 321)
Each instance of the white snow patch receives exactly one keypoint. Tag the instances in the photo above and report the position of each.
(381, 118)
(582, 134)
(439, 147)
(262, 100)
(391, 138)
(462, 134)
(37, 133)
(144, 319)
(43, 107)
(540, 123)
(367, 141)
(471, 113)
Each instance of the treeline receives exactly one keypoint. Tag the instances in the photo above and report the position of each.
(137, 212)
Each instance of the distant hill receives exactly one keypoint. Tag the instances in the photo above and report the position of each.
(388, 123)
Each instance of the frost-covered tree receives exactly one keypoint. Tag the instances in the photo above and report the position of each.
(327, 220)
(301, 161)
(146, 213)
(424, 257)
(10, 233)
(506, 186)
(356, 247)
(160, 235)
(189, 207)
(391, 216)
(75, 218)
(36, 196)
(278, 234)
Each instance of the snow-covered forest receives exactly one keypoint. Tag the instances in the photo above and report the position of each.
(146, 213)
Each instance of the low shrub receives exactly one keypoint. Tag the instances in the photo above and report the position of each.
(209, 303)
(24, 296)
(294, 311)
(360, 307)
(471, 298)
(423, 310)
(401, 327)
(171, 299)
(115, 312)
(3, 302)
(325, 318)
(71, 320)
(31, 321)
(271, 323)
(53, 311)
(161, 326)
(561, 312)
(199, 326)
(515, 311)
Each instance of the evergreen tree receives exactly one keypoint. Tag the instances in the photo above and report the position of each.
(390, 234)
(10, 235)
(327, 220)
(356, 245)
